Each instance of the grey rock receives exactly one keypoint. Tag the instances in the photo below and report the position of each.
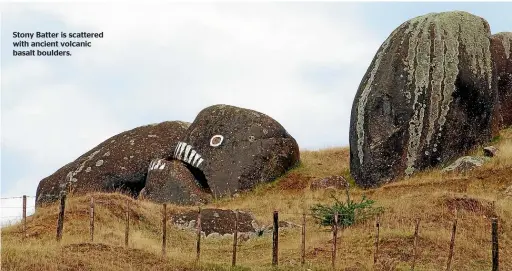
(466, 163)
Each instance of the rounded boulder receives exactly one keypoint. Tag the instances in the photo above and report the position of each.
(427, 97)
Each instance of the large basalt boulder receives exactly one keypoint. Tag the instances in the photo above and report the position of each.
(171, 181)
(501, 48)
(427, 97)
(230, 149)
(120, 163)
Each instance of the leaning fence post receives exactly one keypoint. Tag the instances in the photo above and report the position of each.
(198, 245)
(275, 239)
(376, 254)
(60, 221)
(495, 247)
(303, 245)
(127, 228)
(334, 237)
(415, 244)
(91, 219)
(164, 228)
(24, 216)
(235, 237)
(452, 243)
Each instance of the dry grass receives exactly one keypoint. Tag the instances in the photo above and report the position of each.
(431, 196)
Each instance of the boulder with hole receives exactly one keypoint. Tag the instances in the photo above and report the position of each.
(230, 149)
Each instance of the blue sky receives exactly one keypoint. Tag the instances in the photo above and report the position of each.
(300, 63)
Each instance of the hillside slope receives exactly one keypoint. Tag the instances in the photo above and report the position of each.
(431, 196)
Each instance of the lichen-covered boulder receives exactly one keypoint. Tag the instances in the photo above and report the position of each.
(501, 48)
(231, 149)
(120, 163)
(171, 181)
(427, 97)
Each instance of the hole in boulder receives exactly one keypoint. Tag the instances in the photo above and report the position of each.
(200, 178)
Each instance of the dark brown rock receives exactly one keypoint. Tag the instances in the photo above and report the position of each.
(501, 48)
(120, 163)
(171, 181)
(231, 149)
(331, 182)
(490, 151)
(216, 221)
(430, 82)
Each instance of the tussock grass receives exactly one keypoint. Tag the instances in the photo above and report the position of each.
(431, 196)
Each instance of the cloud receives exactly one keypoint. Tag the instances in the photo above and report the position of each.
(300, 63)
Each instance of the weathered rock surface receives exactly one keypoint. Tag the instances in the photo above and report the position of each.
(120, 163)
(466, 163)
(216, 221)
(331, 182)
(171, 181)
(430, 82)
(233, 149)
(501, 48)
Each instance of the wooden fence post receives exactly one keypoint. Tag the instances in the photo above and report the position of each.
(198, 246)
(60, 221)
(376, 254)
(334, 239)
(303, 245)
(275, 240)
(164, 228)
(91, 219)
(235, 239)
(495, 247)
(452, 243)
(127, 228)
(415, 243)
(24, 216)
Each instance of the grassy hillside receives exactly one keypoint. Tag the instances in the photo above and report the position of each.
(431, 196)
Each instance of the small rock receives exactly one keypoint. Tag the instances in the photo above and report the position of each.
(466, 163)
(213, 235)
(332, 182)
(508, 191)
(490, 151)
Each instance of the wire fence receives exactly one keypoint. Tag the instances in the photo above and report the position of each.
(376, 227)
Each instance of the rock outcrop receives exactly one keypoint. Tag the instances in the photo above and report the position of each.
(501, 48)
(427, 97)
(230, 149)
(120, 163)
(171, 181)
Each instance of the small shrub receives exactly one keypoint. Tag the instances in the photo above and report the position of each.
(349, 212)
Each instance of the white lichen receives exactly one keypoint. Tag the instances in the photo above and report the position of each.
(361, 106)
(451, 30)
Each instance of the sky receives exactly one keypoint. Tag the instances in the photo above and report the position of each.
(300, 63)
